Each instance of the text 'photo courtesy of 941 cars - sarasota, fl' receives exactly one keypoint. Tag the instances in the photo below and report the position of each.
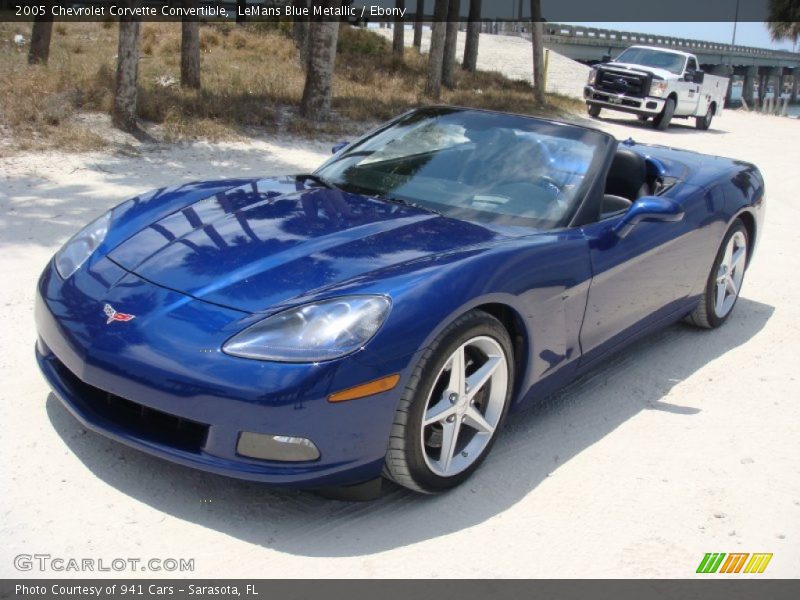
(381, 316)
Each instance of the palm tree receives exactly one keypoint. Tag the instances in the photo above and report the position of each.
(317, 93)
(433, 86)
(784, 20)
(40, 40)
(190, 49)
(300, 29)
(419, 16)
(473, 36)
(450, 40)
(124, 115)
(398, 43)
(538, 52)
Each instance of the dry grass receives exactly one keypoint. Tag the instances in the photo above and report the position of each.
(251, 79)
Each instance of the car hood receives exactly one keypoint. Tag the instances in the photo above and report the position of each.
(265, 242)
(662, 73)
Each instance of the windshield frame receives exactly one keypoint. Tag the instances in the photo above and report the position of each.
(604, 148)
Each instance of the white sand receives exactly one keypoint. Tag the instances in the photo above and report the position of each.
(513, 57)
(686, 443)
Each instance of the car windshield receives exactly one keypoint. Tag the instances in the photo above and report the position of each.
(473, 165)
(653, 58)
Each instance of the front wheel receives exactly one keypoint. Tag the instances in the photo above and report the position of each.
(594, 110)
(453, 406)
(661, 121)
(724, 281)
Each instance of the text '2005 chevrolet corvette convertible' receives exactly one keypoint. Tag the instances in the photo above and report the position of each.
(381, 316)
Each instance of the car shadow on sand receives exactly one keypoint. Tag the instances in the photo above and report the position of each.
(533, 445)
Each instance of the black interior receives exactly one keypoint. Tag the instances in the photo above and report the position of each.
(626, 181)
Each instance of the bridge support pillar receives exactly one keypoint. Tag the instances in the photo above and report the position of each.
(750, 76)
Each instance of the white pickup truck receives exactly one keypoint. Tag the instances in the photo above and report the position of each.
(658, 83)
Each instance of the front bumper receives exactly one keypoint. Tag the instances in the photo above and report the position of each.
(648, 106)
(160, 384)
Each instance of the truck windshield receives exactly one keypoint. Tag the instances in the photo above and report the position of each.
(657, 59)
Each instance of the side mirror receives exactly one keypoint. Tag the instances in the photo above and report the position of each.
(341, 145)
(699, 76)
(606, 58)
(689, 76)
(648, 208)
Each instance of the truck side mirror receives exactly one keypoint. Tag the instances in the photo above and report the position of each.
(606, 58)
(699, 76)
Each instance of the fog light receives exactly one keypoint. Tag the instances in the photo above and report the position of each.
(276, 447)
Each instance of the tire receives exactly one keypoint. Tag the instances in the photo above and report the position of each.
(703, 123)
(642, 118)
(661, 121)
(415, 457)
(711, 311)
(594, 110)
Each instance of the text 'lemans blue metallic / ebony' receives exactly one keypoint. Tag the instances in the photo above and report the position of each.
(450, 266)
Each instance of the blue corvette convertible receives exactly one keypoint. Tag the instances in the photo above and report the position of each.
(381, 316)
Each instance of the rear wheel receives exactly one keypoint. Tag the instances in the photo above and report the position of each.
(662, 120)
(705, 122)
(594, 110)
(724, 281)
(455, 402)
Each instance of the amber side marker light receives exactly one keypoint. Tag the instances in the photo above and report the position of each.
(384, 384)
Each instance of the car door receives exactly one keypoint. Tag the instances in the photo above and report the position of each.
(689, 91)
(636, 280)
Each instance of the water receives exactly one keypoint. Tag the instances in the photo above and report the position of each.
(794, 111)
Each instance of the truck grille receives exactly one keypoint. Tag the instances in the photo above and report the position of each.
(134, 418)
(623, 82)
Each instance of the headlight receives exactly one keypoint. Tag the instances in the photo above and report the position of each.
(658, 88)
(592, 77)
(313, 332)
(81, 245)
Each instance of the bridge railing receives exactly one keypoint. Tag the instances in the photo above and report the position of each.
(597, 36)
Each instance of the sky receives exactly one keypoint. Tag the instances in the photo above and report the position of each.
(747, 34)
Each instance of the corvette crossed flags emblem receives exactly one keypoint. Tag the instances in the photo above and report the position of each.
(113, 315)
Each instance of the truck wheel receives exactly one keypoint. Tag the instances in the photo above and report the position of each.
(705, 122)
(594, 110)
(661, 122)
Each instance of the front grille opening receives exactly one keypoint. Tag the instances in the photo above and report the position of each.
(620, 82)
(136, 419)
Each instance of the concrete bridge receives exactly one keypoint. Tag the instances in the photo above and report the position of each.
(759, 67)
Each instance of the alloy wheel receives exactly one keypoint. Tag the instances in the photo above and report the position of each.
(730, 274)
(465, 406)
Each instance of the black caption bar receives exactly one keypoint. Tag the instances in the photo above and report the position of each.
(388, 10)
(264, 589)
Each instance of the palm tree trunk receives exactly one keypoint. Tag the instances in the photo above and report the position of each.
(124, 115)
(473, 36)
(40, 40)
(451, 37)
(433, 86)
(538, 52)
(190, 49)
(317, 93)
(398, 43)
(300, 29)
(419, 16)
